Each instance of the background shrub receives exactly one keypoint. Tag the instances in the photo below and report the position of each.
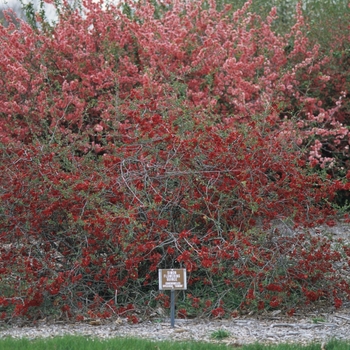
(149, 136)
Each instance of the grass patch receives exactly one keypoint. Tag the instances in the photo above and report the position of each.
(220, 334)
(87, 343)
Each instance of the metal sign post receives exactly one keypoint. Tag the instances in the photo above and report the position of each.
(172, 308)
(172, 279)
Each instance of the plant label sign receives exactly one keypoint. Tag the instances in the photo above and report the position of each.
(172, 279)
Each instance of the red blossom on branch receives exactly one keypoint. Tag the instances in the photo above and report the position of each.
(135, 141)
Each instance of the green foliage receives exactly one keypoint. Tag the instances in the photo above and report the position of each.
(320, 15)
(30, 14)
(220, 334)
(318, 320)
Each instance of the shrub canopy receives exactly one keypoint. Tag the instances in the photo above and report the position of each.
(158, 135)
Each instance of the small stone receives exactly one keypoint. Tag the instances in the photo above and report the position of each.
(180, 330)
(276, 312)
(95, 322)
(118, 321)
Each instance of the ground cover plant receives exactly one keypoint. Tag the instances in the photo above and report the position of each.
(170, 134)
(75, 342)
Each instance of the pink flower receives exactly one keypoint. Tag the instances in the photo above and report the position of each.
(98, 128)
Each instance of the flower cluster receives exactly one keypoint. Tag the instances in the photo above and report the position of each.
(146, 136)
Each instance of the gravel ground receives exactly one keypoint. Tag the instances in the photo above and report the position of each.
(314, 327)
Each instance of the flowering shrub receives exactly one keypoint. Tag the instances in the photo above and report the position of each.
(154, 136)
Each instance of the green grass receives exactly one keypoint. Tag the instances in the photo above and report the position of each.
(86, 343)
(220, 334)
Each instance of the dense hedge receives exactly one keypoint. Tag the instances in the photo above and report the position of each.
(162, 135)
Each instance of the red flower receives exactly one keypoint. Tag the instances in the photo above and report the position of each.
(218, 312)
(207, 263)
(182, 313)
(275, 302)
(208, 303)
(274, 287)
(337, 303)
(291, 312)
(132, 319)
(261, 305)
